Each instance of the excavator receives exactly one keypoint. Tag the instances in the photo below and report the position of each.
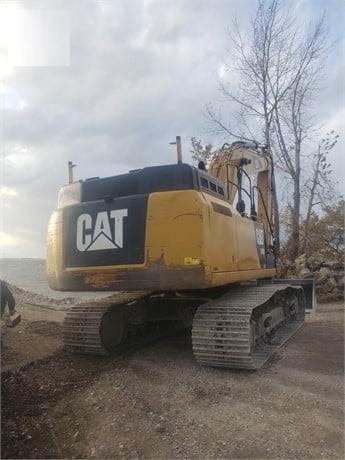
(177, 245)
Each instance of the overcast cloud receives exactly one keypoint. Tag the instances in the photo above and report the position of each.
(128, 76)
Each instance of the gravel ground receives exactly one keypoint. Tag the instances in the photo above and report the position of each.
(157, 402)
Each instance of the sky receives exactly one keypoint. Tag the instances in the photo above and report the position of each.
(109, 84)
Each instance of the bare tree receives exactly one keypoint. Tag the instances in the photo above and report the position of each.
(201, 152)
(326, 232)
(279, 70)
(319, 186)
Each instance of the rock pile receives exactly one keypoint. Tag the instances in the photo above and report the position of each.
(26, 297)
(328, 274)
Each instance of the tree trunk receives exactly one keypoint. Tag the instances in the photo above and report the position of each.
(294, 242)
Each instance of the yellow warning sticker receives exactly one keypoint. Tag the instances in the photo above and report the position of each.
(191, 261)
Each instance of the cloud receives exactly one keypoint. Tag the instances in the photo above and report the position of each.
(7, 191)
(141, 72)
(9, 244)
(8, 240)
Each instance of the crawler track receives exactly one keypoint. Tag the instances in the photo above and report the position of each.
(223, 328)
(82, 324)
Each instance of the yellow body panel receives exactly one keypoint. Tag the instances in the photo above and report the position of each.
(193, 240)
(246, 242)
(175, 227)
(199, 226)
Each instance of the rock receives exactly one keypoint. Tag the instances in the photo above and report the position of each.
(340, 283)
(322, 275)
(333, 265)
(305, 273)
(327, 286)
(330, 285)
(339, 274)
(159, 428)
(315, 262)
(301, 261)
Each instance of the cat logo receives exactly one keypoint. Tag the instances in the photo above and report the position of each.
(103, 234)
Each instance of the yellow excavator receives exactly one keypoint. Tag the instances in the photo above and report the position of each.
(178, 245)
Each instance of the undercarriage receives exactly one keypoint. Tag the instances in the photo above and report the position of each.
(241, 328)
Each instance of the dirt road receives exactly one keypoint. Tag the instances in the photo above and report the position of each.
(158, 403)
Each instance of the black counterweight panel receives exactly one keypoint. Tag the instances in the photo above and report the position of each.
(167, 178)
(116, 186)
(101, 233)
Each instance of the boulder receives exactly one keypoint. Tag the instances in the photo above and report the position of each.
(315, 262)
(333, 264)
(322, 275)
(340, 283)
(330, 285)
(304, 273)
(300, 262)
